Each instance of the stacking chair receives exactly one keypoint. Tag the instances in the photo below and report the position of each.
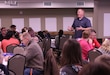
(11, 72)
(18, 50)
(9, 48)
(92, 54)
(16, 64)
(41, 45)
(50, 65)
(62, 41)
(46, 45)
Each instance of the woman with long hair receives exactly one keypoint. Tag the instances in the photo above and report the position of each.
(71, 60)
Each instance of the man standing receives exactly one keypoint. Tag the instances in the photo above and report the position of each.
(34, 56)
(80, 24)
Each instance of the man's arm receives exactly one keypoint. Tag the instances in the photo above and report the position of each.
(86, 28)
(81, 28)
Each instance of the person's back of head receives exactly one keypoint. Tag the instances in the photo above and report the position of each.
(25, 29)
(13, 27)
(86, 34)
(40, 33)
(71, 53)
(9, 35)
(26, 35)
(105, 46)
(60, 33)
(104, 59)
(31, 32)
(3, 31)
(95, 69)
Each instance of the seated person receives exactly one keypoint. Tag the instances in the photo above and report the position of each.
(95, 43)
(95, 69)
(58, 37)
(3, 33)
(25, 29)
(34, 55)
(9, 39)
(46, 34)
(71, 60)
(3, 69)
(105, 47)
(86, 44)
(32, 33)
(103, 58)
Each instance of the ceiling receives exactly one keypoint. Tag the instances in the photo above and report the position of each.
(40, 4)
(39, 1)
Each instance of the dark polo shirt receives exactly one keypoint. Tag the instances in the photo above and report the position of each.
(84, 22)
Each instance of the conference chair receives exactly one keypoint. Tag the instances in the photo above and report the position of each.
(46, 45)
(17, 64)
(11, 72)
(10, 48)
(41, 45)
(18, 50)
(92, 54)
(62, 41)
(50, 65)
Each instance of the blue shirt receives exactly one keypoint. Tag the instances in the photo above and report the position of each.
(84, 22)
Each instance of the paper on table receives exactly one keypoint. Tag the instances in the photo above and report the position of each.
(106, 24)
(51, 24)
(35, 23)
(67, 21)
(19, 22)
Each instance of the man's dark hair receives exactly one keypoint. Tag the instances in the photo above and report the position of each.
(3, 28)
(9, 34)
(92, 30)
(12, 26)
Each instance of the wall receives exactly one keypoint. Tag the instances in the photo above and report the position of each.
(7, 14)
(100, 8)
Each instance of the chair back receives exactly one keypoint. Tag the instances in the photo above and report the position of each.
(16, 64)
(18, 50)
(46, 45)
(92, 54)
(11, 72)
(9, 48)
(41, 45)
(50, 65)
(62, 41)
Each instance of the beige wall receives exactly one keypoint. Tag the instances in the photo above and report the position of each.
(6, 15)
(100, 8)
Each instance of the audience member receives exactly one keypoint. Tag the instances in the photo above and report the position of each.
(3, 69)
(9, 39)
(40, 33)
(46, 34)
(95, 43)
(32, 33)
(25, 29)
(3, 33)
(86, 44)
(95, 69)
(13, 28)
(105, 47)
(71, 60)
(58, 37)
(34, 55)
(104, 59)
